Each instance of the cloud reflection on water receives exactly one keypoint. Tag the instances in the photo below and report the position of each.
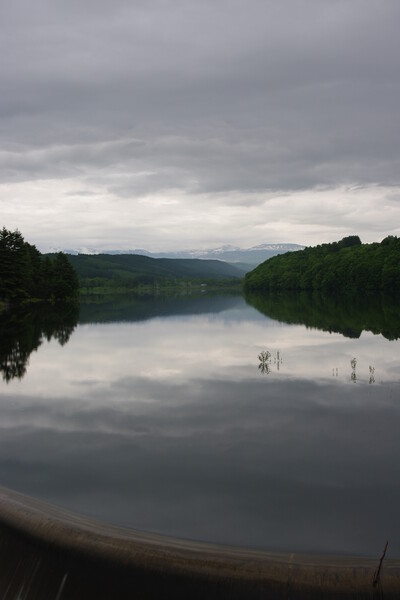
(291, 465)
(167, 425)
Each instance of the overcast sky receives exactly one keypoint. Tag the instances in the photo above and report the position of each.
(172, 124)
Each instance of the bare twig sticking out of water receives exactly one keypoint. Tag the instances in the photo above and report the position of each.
(377, 575)
(353, 363)
(371, 374)
(265, 357)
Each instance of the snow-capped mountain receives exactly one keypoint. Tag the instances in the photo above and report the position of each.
(228, 253)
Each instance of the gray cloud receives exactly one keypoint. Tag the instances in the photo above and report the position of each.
(231, 99)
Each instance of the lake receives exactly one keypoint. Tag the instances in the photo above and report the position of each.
(268, 423)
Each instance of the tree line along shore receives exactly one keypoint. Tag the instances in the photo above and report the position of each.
(344, 266)
(26, 275)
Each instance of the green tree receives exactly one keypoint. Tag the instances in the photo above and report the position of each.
(15, 266)
(25, 274)
(65, 283)
(347, 265)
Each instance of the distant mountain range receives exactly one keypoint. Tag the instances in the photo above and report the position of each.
(232, 254)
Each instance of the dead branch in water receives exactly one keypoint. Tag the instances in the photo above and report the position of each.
(377, 574)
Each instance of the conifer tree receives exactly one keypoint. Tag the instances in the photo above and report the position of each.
(25, 274)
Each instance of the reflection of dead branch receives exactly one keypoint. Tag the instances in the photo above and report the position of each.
(377, 575)
(264, 368)
(371, 374)
(265, 358)
(353, 363)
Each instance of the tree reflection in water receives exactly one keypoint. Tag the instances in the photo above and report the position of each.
(348, 314)
(23, 331)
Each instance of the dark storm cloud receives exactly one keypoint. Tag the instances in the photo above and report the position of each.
(229, 99)
(256, 95)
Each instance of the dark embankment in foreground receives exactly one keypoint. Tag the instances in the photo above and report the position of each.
(46, 552)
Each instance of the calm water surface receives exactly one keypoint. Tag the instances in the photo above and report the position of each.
(155, 415)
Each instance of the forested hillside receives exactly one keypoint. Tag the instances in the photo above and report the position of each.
(132, 269)
(25, 274)
(347, 265)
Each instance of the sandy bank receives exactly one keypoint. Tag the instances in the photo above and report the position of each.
(48, 552)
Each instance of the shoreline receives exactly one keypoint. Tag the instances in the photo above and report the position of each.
(40, 543)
